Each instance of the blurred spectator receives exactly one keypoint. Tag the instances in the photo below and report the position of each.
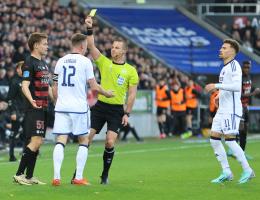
(4, 84)
(245, 31)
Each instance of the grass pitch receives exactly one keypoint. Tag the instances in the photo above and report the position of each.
(152, 170)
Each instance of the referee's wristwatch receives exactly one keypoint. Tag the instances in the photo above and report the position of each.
(127, 113)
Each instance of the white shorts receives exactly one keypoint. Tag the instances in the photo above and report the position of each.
(226, 124)
(75, 123)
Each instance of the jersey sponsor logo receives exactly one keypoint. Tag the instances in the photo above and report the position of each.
(120, 80)
(26, 74)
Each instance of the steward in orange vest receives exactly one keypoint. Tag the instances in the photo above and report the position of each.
(191, 95)
(178, 100)
(178, 109)
(162, 97)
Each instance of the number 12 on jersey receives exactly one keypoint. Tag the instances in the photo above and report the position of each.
(68, 73)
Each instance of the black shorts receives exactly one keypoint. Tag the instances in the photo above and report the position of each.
(191, 111)
(110, 113)
(35, 122)
(161, 111)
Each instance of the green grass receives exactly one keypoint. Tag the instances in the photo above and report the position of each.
(153, 170)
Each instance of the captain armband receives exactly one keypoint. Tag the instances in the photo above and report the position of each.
(55, 77)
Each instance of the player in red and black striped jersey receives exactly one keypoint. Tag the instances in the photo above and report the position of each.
(35, 88)
(36, 72)
(245, 99)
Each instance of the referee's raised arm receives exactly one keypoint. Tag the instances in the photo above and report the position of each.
(95, 53)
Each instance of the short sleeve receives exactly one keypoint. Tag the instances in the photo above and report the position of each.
(57, 68)
(236, 72)
(27, 70)
(134, 79)
(102, 61)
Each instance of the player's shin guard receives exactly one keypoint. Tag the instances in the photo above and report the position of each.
(81, 159)
(220, 153)
(239, 153)
(107, 160)
(58, 155)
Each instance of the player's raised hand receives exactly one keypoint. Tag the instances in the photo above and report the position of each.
(109, 94)
(89, 22)
(210, 87)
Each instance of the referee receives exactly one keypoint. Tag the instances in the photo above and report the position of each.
(120, 77)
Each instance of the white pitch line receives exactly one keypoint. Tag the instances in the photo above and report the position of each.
(188, 146)
(132, 151)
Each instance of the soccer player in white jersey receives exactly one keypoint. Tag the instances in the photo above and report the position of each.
(72, 114)
(227, 119)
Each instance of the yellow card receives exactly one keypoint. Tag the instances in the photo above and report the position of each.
(92, 12)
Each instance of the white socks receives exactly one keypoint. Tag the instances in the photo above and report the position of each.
(58, 155)
(81, 159)
(239, 153)
(220, 153)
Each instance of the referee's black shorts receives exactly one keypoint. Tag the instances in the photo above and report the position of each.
(102, 112)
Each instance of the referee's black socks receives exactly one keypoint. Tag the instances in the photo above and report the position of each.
(107, 160)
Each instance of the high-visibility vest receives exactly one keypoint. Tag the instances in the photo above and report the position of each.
(177, 100)
(191, 99)
(212, 106)
(161, 94)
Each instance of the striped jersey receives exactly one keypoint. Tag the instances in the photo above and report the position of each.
(73, 71)
(36, 71)
(230, 80)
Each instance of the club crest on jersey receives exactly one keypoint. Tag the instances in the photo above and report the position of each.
(120, 80)
(26, 74)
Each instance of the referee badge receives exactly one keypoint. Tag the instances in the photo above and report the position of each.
(120, 80)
